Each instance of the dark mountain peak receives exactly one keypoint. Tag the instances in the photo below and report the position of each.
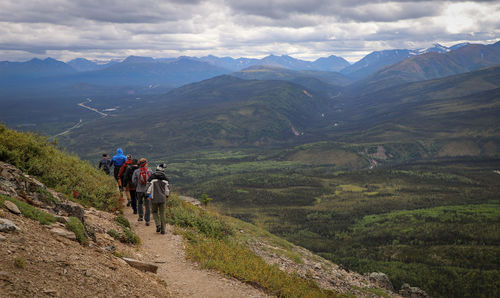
(34, 60)
(138, 59)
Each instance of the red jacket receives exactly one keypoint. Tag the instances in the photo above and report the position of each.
(124, 166)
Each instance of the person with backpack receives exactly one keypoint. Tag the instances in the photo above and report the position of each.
(158, 192)
(117, 161)
(121, 176)
(140, 178)
(104, 164)
(129, 184)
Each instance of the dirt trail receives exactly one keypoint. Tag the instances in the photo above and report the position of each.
(183, 277)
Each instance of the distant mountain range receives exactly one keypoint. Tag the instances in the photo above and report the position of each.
(379, 59)
(432, 65)
(174, 72)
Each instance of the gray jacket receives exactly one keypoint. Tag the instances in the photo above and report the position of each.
(135, 179)
(159, 190)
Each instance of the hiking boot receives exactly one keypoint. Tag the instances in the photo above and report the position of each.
(158, 228)
(147, 223)
(140, 219)
(128, 203)
(135, 212)
(163, 232)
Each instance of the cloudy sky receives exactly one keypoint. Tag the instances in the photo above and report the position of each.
(305, 29)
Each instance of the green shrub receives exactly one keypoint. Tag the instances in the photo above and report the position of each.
(122, 221)
(191, 216)
(130, 237)
(76, 226)
(19, 262)
(127, 236)
(114, 234)
(65, 173)
(29, 211)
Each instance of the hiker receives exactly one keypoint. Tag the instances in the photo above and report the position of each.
(129, 183)
(121, 176)
(158, 192)
(140, 178)
(117, 161)
(104, 164)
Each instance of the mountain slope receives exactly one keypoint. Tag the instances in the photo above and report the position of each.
(434, 65)
(380, 59)
(15, 74)
(223, 111)
(464, 105)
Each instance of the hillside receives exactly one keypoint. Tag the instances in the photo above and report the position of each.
(55, 246)
(434, 65)
(221, 112)
(461, 106)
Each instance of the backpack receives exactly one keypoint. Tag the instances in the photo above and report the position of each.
(128, 175)
(143, 176)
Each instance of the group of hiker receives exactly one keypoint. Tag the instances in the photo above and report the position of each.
(146, 191)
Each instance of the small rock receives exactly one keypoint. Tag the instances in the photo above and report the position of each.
(110, 248)
(2, 238)
(51, 292)
(11, 207)
(317, 266)
(141, 265)
(7, 225)
(64, 233)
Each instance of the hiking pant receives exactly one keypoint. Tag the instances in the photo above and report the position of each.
(142, 199)
(116, 172)
(133, 200)
(158, 210)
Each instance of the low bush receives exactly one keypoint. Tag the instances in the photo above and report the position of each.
(76, 226)
(191, 216)
(122, 221)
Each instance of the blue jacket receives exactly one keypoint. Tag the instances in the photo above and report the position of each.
(119, 159)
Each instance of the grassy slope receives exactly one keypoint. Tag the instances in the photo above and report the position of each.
(63, 172)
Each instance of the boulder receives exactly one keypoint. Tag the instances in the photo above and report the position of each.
(11, 207)
(141, 265)
(7, 226)
(413, 292)
(64, 233)
(382, 280)
(71, 209)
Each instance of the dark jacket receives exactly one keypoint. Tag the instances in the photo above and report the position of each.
(158, 187)
(104, 164)
(127, 176)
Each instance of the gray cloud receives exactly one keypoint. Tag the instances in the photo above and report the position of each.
(307, 29)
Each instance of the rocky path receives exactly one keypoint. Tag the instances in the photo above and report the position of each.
(183, 277)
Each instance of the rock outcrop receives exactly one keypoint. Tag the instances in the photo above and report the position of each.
(412, 292)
